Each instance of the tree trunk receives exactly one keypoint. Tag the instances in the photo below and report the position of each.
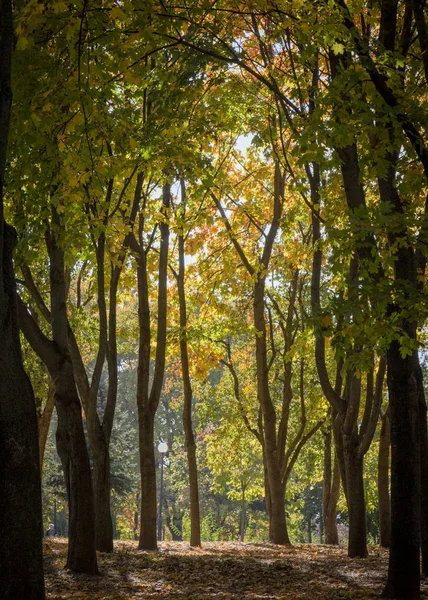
(330, 516)
(279, 528)
(309, 530)
(357, 541)
(331, 491)
(243, 515)
(101, 479)
(277, 523)
(148, 481)
(404, 571)
(195, 525)
(423, 440)
(45, 421)
(71, 443)
(21, 526)
(404, 379)
(383, 483)
(148, 401)
(267, 496)
(21, 556)
(71, 447)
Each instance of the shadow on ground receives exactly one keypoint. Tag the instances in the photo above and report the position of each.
(219, 571)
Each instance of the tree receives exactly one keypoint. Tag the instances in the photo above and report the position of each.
(20, 493)
(195, 528)
(404, 375)
(383, 482)
(148, 395)
(70, 437)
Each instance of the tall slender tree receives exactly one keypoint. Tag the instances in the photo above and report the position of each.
(20, 493)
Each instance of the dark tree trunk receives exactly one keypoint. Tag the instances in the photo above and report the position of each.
(148, 398)
(423, 440)
(148, 539)
(44, 422)
(267, 497)
(70, 436)
(195, 525)
(21, 526)
(101, 482)
(404, 380)
(404, 572)
(99, 433)
(383, 483)
(279, 529)
(330, 517)
(21, 556)
(71, 447)
(331, 489)
(243, 516)
(357, 541)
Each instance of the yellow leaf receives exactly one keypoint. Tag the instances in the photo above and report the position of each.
(326, 321)
(117, 13)
(22, 43)
(59, 7)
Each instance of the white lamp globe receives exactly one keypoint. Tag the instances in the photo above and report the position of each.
(163, 447)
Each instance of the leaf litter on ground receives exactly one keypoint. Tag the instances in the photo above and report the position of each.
(220, 571)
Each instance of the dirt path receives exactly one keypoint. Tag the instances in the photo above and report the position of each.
(220, 571)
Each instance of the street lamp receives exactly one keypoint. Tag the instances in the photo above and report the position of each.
(163, 449)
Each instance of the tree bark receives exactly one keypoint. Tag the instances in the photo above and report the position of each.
(331, 488)
(71, 443)
(21, 556)
(148, 397)
(383, 483)
(330, 519)
(423, 440)
(44, 422)
(20, 490)
(357, 540)
(195, 526)
(404, 381)
(279, 528)
(148, 538)
(243, 515)
(102, 487)
(403, 571)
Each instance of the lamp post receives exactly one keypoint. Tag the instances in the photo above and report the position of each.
(163, 449)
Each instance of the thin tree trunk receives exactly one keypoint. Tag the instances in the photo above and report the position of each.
(243, 515)
(70, 436)
(383, 483)
(277, 523)
(195, 526)
(330, 521)
(309, 530)
(279, 529)
(45, 421)
(148, 401)
(331, 489)
(267, 497)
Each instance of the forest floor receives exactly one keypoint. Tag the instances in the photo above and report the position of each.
(220, 571)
